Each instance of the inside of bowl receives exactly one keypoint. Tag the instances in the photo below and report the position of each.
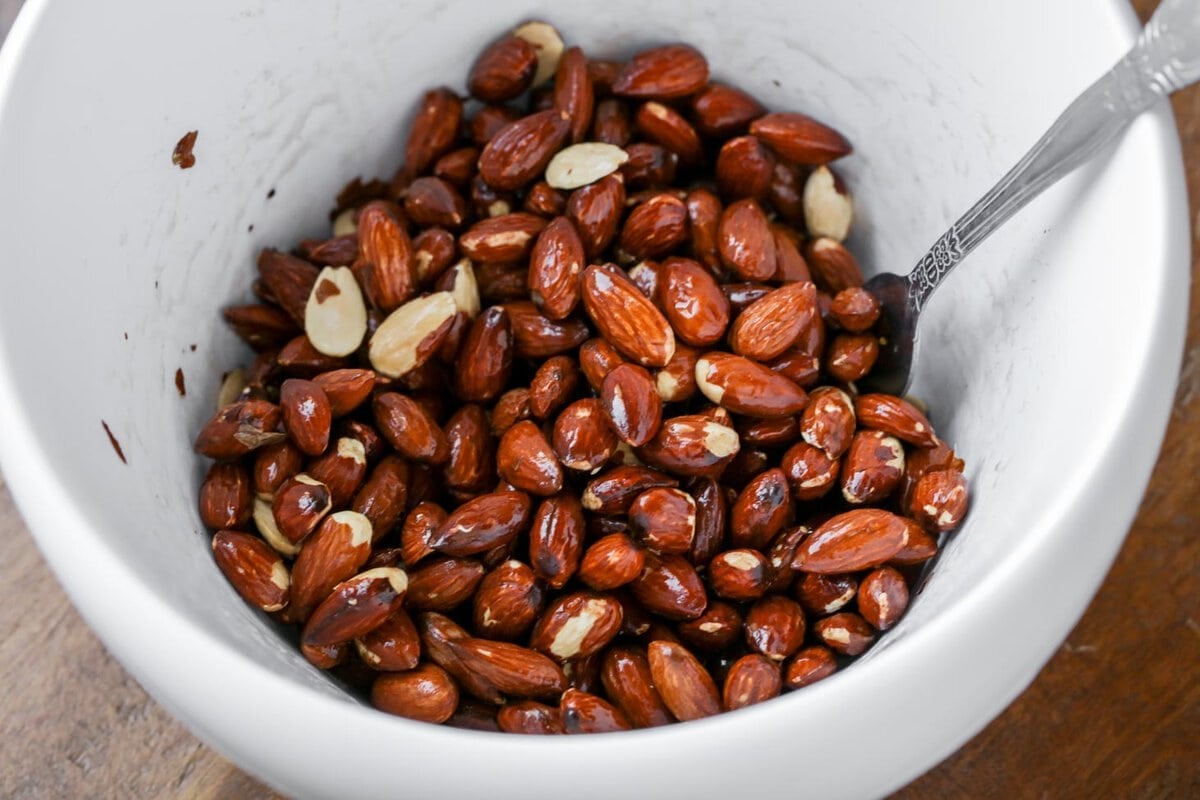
(118, 262)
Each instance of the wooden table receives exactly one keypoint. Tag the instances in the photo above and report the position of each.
(1116, 713)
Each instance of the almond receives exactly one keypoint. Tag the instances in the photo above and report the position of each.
(691, 445)
(555, 382)
(809, 666)
(828, 207)
(852, 541)
(299, 506)
(676, 382)
(751, 679)
(511, 408)
(770, 432)
(441, 640)
(434, 129)
(471, 467)
(508, 602)
(426, 693)
(556, 539)
(596, 211)
(882, 597)
(738, 574)
(649, 166)
(597, 358)
(745, 387)
(611, 123)
(745, 168)
(718, 628)
(722, 111)
(809, 470)
(355, 607)
(394, 646)
(665, 519)
(684, 684)
(306, 415)
(825, 594)
(584, 163)
(290, 281)
(664, 125)
(790, 265)
(433, 253)
(386, 256)
(799, 138)
(583, 439)
(503, 71)
(485, 358)
(770, 325)
(516, 671)
(383, 496)
(626, 318)
(482, 523)
(502, 239)
(834, 268)
(535, 336)
(854, 309)
(432, 201)
(573, 93)
(255, 570)
(663, 73)
(895, 416)
(297, 357)
(545, 201)
(411, 334)
(260, 326)
(761, 511)
(586, 713)
(711, 513)
(845, 632)
(577, 626)
(655, 227)
(828, 421)
(457, 167)
(530, 717)
(409, 428)
(547, 44)
(614, 491)
(526, 460)
(745, 241)
(264, 522)
(872, 467)
(625, 673)
(334, 553)
(631, 404)
(692, 302)
(521, 150)
(345, 389)
(670, 587)
(555, 265)
(611, 561)
(239, 428)
(775, 626)
(704, 217)
(939, 500)
(442, 584)
(226, 496)
(341, 469)
(850, 356)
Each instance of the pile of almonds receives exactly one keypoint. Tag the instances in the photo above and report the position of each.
(559, 431)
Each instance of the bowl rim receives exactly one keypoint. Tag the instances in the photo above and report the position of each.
(121, 606)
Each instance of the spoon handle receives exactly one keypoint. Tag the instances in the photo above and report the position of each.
(1165, 58)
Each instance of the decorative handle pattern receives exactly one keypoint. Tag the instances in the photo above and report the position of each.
(1166, 58)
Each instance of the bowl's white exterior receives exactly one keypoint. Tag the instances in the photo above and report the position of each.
(1050, 361)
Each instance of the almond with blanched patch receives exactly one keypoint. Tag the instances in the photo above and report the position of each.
(746, 387)
(583, 163)
(625, 317)
(335, 552)
(335, 317)
(577, 625)
(692, 444)
(828, 207)
(255, 570)
(411, 334)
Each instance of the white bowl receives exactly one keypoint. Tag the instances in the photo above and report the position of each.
(1049, 361)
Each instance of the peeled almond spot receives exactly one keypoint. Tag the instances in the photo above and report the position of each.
(395, 347)
(361, 531)
(465, 289)
(828, 208)
(343, 224)
(741, 560)
(335, 317)
(584, 163)
(720, 440)
(569, 639)
(397, 577)
(264, 520)
(710, 390)
(547, 44)
(352, 449)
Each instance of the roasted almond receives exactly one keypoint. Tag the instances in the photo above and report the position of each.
(434, 129)
(260, 326)
(894, 416)
(809, 666)
(800, 138)
(471, 466)
(411, 334)
(573, 93)
(631, 404)
(775, 627)
(511, 408)
(663, 73)
(751, 679)
(850, 356)
(431, 201)
(761, 511)
(676, 382)
(503, 71)
(525, 459)
(828, 421)
(485, 359)
(834, 268)
(854, 309)
(345, 389)
(502, 239)
(508, 602)
(456, 167)
(394, 646)
(255, 570)
(586, 713)
(555, 265)
(845, 632)
(577, 626)
(434, 250)
(692, 302)
(655, 227)
(744, 168)
(682, 681)
(409, 428)
(745, 241)
(611, 561)
(597, 358)
(711, 513)
(809, 470)
(665, 519)
(828, 207)
(582, 439)
(547, 45)
(626, 318)
(746, 387)
(584, 163)
(882, 597)
(385, 257)
(692, 445)
(333, 553)
(239, 428)
(665, 126)
(482, 523)
(226, 496)
(442, 584)
(516, 671)
(383, 496)
(530, 717)
(872, 468)
(299, 505)
(650, 166)
(290, 281)
(554, 383)
(556, 539)
(306, 415)
(770, 325)
(939, 500)
(536, 336)
(670, 587)
(851, 541)
(341, 469)
(625, 673)
(738, 574)
(596, 211)
(704, 218)
(521, 150)
(614, 491)
(722, 111)
(426, 693)
(825, 594)
(356, 606)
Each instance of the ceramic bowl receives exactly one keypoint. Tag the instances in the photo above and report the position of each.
(1049, 360)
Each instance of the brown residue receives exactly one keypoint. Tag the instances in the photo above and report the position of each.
(116, 446)
(183, 157)
(327, 289)
(179, 382)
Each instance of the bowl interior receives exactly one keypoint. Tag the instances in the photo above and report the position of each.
(119, 262)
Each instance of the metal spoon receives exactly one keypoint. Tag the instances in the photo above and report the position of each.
(1165, 58)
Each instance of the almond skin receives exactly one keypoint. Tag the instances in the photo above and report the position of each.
(482, 523)
(684, 684)
(631, 404)
(800, 139)
(746, 387)
(770, 325)
(255, 570)
(426, 693)
(625, 673)
(433, 131)
(526, 460)
(745, 241)
(503, 71)
(555, 265)
(577, 625)
(693, 302)
(556, 539)
(626, 318)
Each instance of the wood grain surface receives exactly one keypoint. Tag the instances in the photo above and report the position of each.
(1116, 713)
